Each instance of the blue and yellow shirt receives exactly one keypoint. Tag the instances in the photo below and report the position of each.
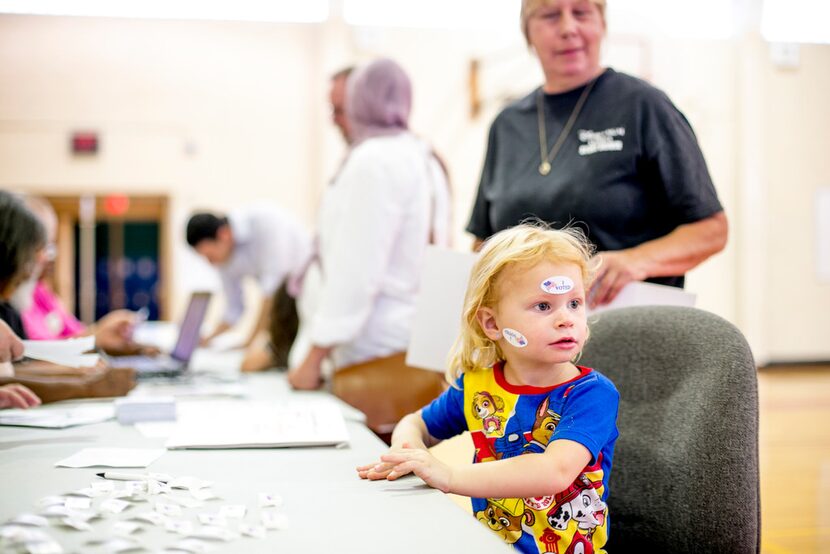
(507, 420)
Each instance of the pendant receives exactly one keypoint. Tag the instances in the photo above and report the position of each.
(544, 167)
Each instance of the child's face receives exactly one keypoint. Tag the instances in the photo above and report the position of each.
(552, 324)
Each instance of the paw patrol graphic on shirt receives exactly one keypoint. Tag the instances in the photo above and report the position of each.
(543, 427)
(487, 408)
(504, 423)
(505, 517)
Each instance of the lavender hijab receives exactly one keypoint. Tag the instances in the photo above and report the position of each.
(378, 100)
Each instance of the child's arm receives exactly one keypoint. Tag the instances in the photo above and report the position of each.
(410, 432)
(518, 477)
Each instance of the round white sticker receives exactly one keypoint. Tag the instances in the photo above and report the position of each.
(558, 284)
(514, 337)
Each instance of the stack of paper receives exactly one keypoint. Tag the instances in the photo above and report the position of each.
(260, 425)
(68, 352)
(57, 417)
(134, 409)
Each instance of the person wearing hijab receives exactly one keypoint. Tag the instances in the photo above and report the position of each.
(388, 202)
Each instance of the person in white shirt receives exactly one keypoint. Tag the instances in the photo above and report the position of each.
(263, 243)
(389, 201)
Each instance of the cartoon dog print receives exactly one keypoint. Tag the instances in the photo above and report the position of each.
(486, 407)
(579, 502)
(505, 516)
(543, 427)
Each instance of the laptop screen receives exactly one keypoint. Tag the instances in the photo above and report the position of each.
(189, 332)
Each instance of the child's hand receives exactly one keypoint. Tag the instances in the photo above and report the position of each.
(378, 470)
(420, 462)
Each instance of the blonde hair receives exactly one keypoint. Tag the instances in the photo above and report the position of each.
(530, 6)
(524, 246)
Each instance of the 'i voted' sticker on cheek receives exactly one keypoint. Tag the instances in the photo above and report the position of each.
(514, 337)
(557, 285)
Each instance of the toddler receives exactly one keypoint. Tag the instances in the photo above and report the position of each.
(543, 428)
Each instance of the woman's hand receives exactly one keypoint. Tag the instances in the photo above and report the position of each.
(114, 332)
(619, 267)
(15, 395)
(305, 377)
(11, 347)
(308, 375)
(115, 381)
(418, 461)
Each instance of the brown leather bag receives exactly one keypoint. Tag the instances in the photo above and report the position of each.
(386, 389)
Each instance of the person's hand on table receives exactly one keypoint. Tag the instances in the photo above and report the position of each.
(618, 268)
(11, 347)
(306, 376)
(40, 368)
(15, 395)
(114, 332)
(380, 469)
(309, 375)
(115, 381)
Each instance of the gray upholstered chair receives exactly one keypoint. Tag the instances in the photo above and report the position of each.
(685, 471)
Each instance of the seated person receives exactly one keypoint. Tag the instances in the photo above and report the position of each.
(43, 314)
(264, 243)
(22, 241)
(283, 322)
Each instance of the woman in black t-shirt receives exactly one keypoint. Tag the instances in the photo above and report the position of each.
(603, 151)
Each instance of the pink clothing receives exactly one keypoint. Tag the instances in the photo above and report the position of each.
(47, 319)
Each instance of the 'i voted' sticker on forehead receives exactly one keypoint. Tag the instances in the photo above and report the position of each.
(557, 285)
(514, 337)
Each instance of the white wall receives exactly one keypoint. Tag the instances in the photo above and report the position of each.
(218, 115)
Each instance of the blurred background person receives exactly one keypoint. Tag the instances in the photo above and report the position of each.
(601, 150)
(272, 350)
(22, 249)
(387, 203)
(262, 242)
(42, 312)
(337, 100)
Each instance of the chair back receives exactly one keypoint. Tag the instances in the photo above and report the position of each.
(685, 469)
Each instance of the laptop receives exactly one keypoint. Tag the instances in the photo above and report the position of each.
(175, 364)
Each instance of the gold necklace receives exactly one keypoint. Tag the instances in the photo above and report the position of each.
(544, 167)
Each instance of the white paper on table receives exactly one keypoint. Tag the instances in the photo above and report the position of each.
(155, 429)
(639, 293)
(52, 417)
(438, 307)
(67, 352)
(112, 457)
(259, 425)
(179, 390)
